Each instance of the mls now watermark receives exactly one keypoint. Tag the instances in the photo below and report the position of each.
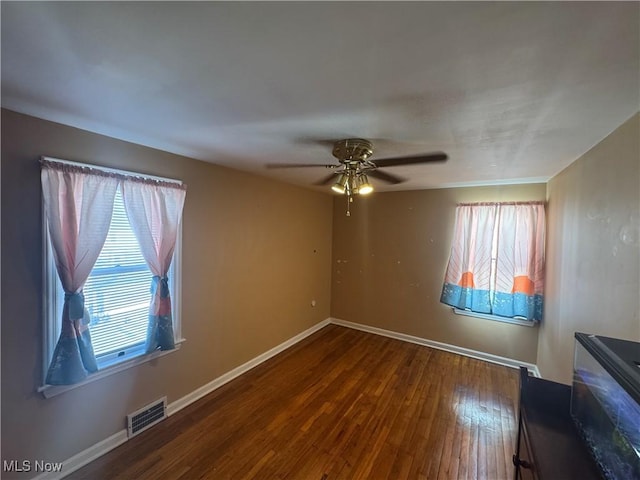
(30, 466)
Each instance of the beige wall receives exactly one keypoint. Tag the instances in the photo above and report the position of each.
(593, 261)
(255, 253)
(389, 259)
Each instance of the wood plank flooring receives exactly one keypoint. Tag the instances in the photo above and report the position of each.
(341, 404)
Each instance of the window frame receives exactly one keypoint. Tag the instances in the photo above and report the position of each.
(496, 318)
(54, 298)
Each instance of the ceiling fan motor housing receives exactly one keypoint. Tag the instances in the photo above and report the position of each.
(352, 149)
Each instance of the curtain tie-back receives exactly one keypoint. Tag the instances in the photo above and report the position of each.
(164, 285)
(76, 304)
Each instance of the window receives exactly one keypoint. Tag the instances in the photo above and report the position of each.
(116, 295)
(496, 267)
(118, 290)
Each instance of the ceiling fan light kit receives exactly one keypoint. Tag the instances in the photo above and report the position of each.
(364, 187)
(341, 185)
(354, 167)
(352, 183)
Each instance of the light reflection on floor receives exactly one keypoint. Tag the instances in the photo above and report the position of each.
(486, 413)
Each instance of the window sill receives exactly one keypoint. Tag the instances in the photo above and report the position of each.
(495, 318)
(49, 391)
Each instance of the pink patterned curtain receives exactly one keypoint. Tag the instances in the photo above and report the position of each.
(496, 264)
(520, 261)
(154, 210)
(78, 208)
(467, 283)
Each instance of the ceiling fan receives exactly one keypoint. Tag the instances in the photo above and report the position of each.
(352, 172)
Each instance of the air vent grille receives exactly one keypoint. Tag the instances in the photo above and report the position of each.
(146, 417)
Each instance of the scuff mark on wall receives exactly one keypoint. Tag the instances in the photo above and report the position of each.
(630, 232)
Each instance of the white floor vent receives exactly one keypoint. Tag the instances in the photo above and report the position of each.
(146, 417)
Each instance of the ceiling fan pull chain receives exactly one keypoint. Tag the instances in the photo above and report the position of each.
(348, 205)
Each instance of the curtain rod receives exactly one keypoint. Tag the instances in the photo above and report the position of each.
(489, 204)
(114, 172)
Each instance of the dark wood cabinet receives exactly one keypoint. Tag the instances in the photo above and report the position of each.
(548, 445)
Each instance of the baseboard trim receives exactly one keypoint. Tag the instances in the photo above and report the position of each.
(86, 456)
(487, 357)
(236, 372)
(101, 448)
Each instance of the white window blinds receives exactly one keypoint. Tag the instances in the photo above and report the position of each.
(117, 291)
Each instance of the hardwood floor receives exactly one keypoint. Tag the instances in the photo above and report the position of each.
(341, 404)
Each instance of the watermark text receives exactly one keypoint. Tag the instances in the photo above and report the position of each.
(31, 466)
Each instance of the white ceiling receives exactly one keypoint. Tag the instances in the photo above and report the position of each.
(513, 92)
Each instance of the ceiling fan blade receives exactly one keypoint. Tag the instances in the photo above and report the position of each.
(314, 141)
(326, 180)
(387, 177)
(411, 160)
(299, 165)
